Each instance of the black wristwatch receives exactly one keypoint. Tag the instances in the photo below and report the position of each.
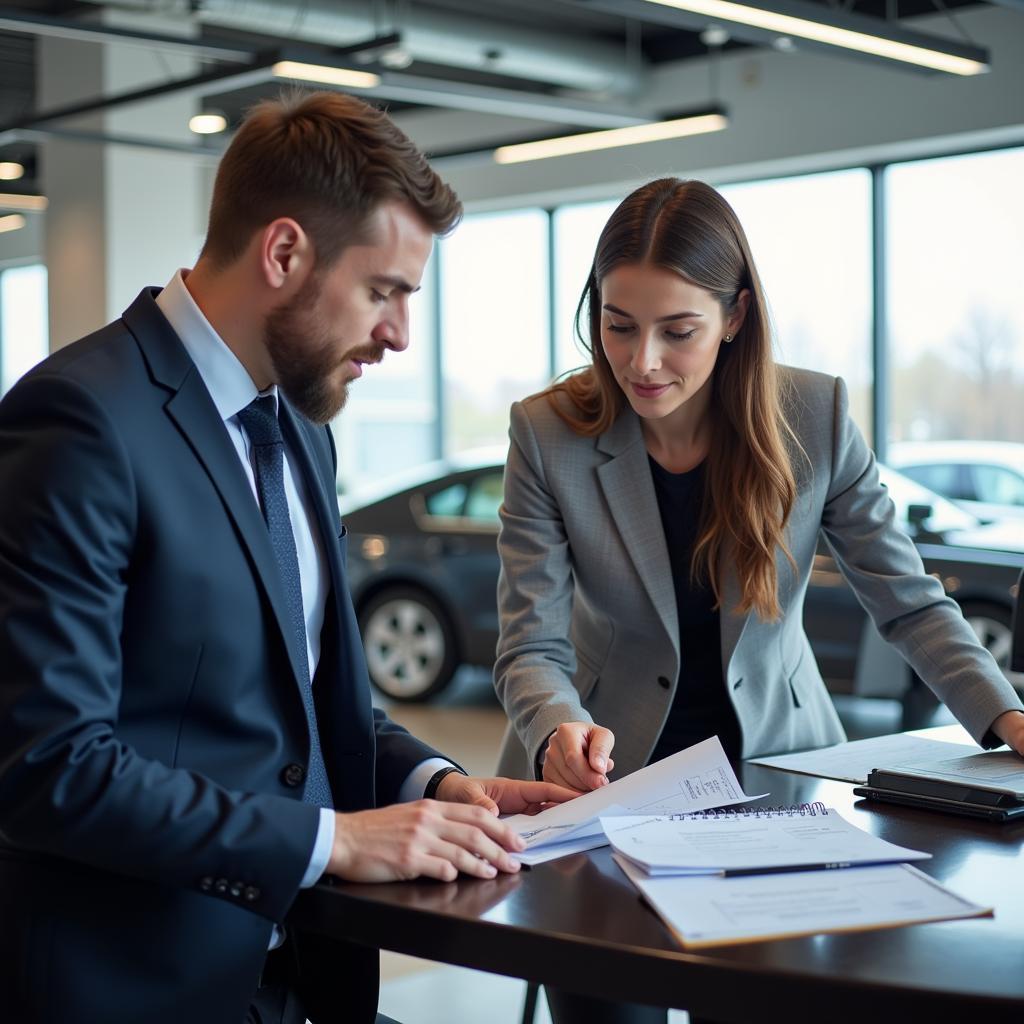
(430, 793)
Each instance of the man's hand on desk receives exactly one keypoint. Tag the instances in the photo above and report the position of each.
(1009, 727)
(439, 838)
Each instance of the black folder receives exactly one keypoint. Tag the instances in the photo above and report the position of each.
(939, 795)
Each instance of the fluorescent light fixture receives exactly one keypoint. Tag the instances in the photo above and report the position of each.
(831, 35)
(14, 201)
(10, 170)
(207, 123)
(612, 138)
(325, 74)
(12, 222)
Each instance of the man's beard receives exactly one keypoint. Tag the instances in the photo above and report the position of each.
(305, 359)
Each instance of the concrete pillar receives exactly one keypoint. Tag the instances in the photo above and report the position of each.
(120, 217)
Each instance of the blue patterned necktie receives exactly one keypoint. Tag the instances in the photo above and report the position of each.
(260, 421)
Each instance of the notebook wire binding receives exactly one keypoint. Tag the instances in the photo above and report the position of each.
(807, 810)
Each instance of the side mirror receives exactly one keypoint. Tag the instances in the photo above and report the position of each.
(917, 515)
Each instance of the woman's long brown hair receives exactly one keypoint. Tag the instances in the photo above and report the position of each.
(687, 227)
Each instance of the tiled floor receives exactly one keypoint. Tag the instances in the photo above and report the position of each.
(467, 723)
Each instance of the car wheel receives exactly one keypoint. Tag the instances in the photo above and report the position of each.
(992, 625)
(410, 644)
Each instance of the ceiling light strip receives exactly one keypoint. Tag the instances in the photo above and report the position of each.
(832, 35)
(325, 74)
(612, 138)
(16, 201)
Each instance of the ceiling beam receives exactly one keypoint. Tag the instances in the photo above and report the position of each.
(13, 20)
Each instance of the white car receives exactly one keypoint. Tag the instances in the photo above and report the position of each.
(984, 477)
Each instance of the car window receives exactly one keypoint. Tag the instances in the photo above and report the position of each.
(941, 477)
(485, 496)
(448, 502)
(997, 485)
(906, 492)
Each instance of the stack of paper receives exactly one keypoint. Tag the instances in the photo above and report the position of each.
(748, 842)
(695, 779)
(710, 911)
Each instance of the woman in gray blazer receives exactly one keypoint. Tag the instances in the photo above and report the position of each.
(661, 513)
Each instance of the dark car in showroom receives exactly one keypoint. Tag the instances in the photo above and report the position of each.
(423, 565)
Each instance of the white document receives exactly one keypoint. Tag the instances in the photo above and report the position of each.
(712, 910)
(748, 842)
(695, 779)
(999, 770)
(851, 762)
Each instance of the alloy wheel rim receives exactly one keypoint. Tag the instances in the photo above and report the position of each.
(405, 647)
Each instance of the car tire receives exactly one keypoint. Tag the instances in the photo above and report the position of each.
(411, 651)
(993, 626)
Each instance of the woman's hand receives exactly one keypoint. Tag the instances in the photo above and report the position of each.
(577, 756)
(1009, 727)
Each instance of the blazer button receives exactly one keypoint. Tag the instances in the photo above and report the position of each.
(236, 889)
(251, 894)
(663, 682)
(293, 775)
(206, 884)
(220, 886)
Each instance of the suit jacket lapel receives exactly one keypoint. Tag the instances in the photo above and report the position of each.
(194, 414)
(629, 490)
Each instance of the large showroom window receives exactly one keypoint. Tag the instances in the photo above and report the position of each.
(956, 322)
(388, 423)
(811, 241)
(576, 230)
(24, 321)
(494, 323)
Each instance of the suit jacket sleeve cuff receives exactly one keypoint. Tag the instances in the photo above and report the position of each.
(416, 781)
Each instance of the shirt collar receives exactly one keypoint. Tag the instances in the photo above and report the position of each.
(227, 380)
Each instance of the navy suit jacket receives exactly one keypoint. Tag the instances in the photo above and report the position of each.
(153, 741)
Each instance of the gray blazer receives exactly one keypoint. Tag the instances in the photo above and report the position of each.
(587, 604)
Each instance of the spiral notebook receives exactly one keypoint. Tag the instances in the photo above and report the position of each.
(754, 840)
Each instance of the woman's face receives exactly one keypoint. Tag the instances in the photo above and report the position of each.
(661, 335)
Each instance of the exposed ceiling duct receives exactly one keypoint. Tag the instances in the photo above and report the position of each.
(431, 36)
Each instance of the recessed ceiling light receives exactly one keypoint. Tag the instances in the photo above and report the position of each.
(10, 170)
(208, 123)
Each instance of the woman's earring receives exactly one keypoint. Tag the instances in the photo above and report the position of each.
(727, 339)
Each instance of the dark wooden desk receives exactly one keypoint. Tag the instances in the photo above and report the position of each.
(578, 922)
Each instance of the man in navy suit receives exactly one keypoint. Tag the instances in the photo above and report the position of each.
(186, 735)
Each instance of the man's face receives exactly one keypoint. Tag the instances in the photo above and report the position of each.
(349, 314)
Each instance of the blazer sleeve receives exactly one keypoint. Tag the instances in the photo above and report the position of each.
(536, 660)
(68, 785)
(908, 606)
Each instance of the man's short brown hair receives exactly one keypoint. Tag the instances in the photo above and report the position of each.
(327, 160)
